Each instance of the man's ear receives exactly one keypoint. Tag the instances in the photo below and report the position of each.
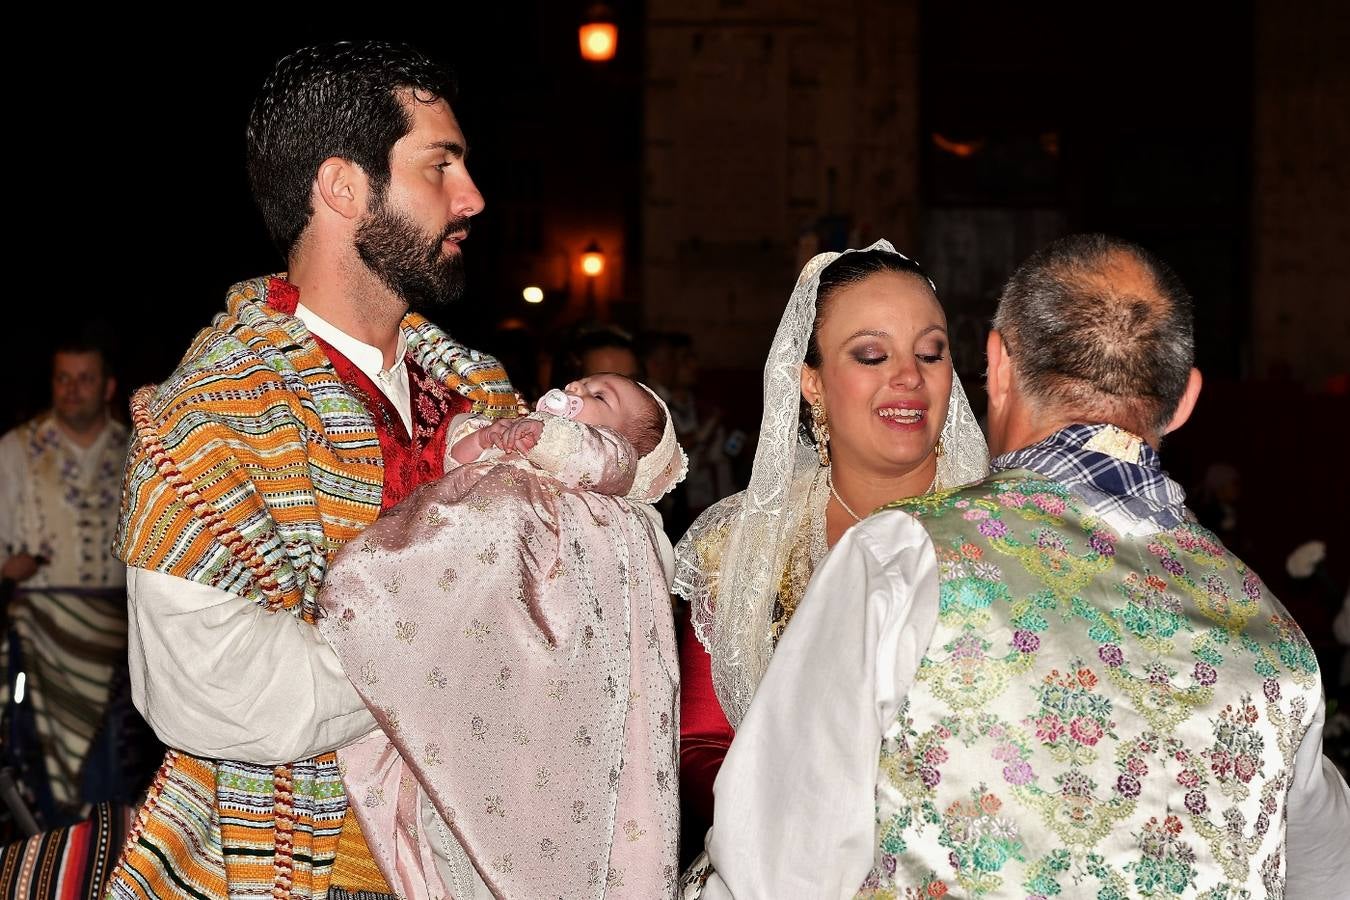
(1187, 403)
(341, 186)
(999, 372)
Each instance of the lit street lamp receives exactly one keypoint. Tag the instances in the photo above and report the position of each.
(599, 36)
(592, 265)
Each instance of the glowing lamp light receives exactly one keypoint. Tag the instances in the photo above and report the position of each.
(592, 260)
(599, 40)
(533, 294)
(959, 149)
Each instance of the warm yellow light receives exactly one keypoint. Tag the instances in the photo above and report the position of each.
(593, 263)
(599, 40)
(533, 294)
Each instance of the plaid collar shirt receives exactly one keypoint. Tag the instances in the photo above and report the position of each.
(1115, 472)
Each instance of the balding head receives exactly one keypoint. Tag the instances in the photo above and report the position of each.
(1099, 330)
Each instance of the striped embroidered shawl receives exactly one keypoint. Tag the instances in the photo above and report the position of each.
(248, 469)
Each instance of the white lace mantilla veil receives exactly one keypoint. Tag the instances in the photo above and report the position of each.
(731, 607)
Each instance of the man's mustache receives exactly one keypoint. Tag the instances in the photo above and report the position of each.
(455, 225)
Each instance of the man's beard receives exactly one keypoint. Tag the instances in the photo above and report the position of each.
(82, 417)
(399, 254)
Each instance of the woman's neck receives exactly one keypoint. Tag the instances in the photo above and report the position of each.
(864, 491)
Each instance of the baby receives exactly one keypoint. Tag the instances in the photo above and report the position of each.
(509, 627)
(610, 401)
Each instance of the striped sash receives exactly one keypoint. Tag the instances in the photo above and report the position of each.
(71, 640)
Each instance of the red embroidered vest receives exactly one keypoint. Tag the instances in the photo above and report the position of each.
(409, 460)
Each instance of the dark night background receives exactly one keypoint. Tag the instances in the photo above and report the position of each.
(140, 167)
(1214, 134)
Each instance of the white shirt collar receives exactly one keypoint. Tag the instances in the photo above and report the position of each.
(370, 360)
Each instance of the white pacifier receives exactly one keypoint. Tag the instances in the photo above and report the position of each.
(560, 403)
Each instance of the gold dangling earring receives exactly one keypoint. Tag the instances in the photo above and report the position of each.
(938, 449)
(820, 430)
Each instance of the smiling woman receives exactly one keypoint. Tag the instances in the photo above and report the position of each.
(876, 376)
(861, 353)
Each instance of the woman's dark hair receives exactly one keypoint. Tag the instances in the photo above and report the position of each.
(339, 100)
(851, 268)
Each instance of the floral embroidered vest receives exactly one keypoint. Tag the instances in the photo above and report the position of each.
(1097, 715)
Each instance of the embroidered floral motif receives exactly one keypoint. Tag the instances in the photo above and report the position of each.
(1294, 651)
(477, 630)
(981, 841)
(1166, 866)
(1150, 613)
(1235, 757)
(1073, 717)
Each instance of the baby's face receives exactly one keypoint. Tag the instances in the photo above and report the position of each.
(610, 400)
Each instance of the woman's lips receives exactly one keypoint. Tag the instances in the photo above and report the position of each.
(904, 417)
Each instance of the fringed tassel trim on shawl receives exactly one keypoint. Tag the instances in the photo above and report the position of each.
(283, 816)
(239, 546)
(143, 814)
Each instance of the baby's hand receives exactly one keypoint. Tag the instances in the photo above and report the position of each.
(519, 435)
(468, 448)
